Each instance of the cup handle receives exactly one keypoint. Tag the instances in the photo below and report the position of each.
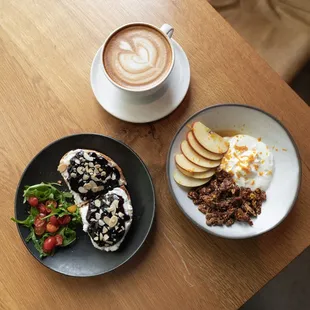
(167, 29)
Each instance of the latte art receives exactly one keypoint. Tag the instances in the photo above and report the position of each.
(138, 62)
(137, 57)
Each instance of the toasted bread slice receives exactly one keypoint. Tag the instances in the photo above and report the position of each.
(108, 218)
(89, 173)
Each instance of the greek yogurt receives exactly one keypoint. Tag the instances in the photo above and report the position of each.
(250, 162)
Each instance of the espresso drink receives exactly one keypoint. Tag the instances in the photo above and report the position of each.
(137, 57)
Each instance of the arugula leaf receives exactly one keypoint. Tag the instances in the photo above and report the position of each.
(34, 211)
(38, 244)
(28, 222)
(67, 195)
(45, 191)
(29, 237)
(68, 235)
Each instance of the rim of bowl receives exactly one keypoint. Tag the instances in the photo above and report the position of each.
(247, 107)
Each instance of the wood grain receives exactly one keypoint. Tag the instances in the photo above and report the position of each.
(46, 52)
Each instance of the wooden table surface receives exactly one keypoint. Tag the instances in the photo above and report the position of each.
(46, 51)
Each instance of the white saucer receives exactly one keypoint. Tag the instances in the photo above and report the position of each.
(137, 108)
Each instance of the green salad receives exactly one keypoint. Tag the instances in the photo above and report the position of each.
(52, 219)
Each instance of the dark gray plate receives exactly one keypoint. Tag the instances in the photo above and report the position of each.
(81, 259)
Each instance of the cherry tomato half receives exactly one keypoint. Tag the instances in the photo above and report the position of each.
(51, 202)
(40, 230)
(49, 244)
(64, 220)
(42, 208)
(51, 228)
(38, 222)
(33, 201)
(53, 220)
(59, 240)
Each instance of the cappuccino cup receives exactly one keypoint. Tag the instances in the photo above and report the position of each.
(138, 57)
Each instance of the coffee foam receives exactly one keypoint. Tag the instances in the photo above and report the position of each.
(137, 57)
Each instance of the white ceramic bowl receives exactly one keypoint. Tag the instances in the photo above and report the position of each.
(284, 187)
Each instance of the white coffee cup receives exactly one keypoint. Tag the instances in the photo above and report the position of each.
(166, 31)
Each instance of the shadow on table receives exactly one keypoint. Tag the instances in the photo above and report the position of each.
(114, 122)
(300, 83)
(246, 263)
(288, 290)
(180, 111)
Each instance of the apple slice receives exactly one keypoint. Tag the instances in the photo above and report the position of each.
(186, 181)
(187, 165)
(198, 175)
(208, 139)
(201, 150)
(195, 158)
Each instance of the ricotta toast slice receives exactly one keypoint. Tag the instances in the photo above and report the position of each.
(89, 173)
(108, 218)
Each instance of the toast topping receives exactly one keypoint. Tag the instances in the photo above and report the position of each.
(90, 174)
(106, 226)
(62, 167)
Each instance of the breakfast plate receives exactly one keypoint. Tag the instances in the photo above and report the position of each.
(81, 258)
(138, 108)
(274, 179)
